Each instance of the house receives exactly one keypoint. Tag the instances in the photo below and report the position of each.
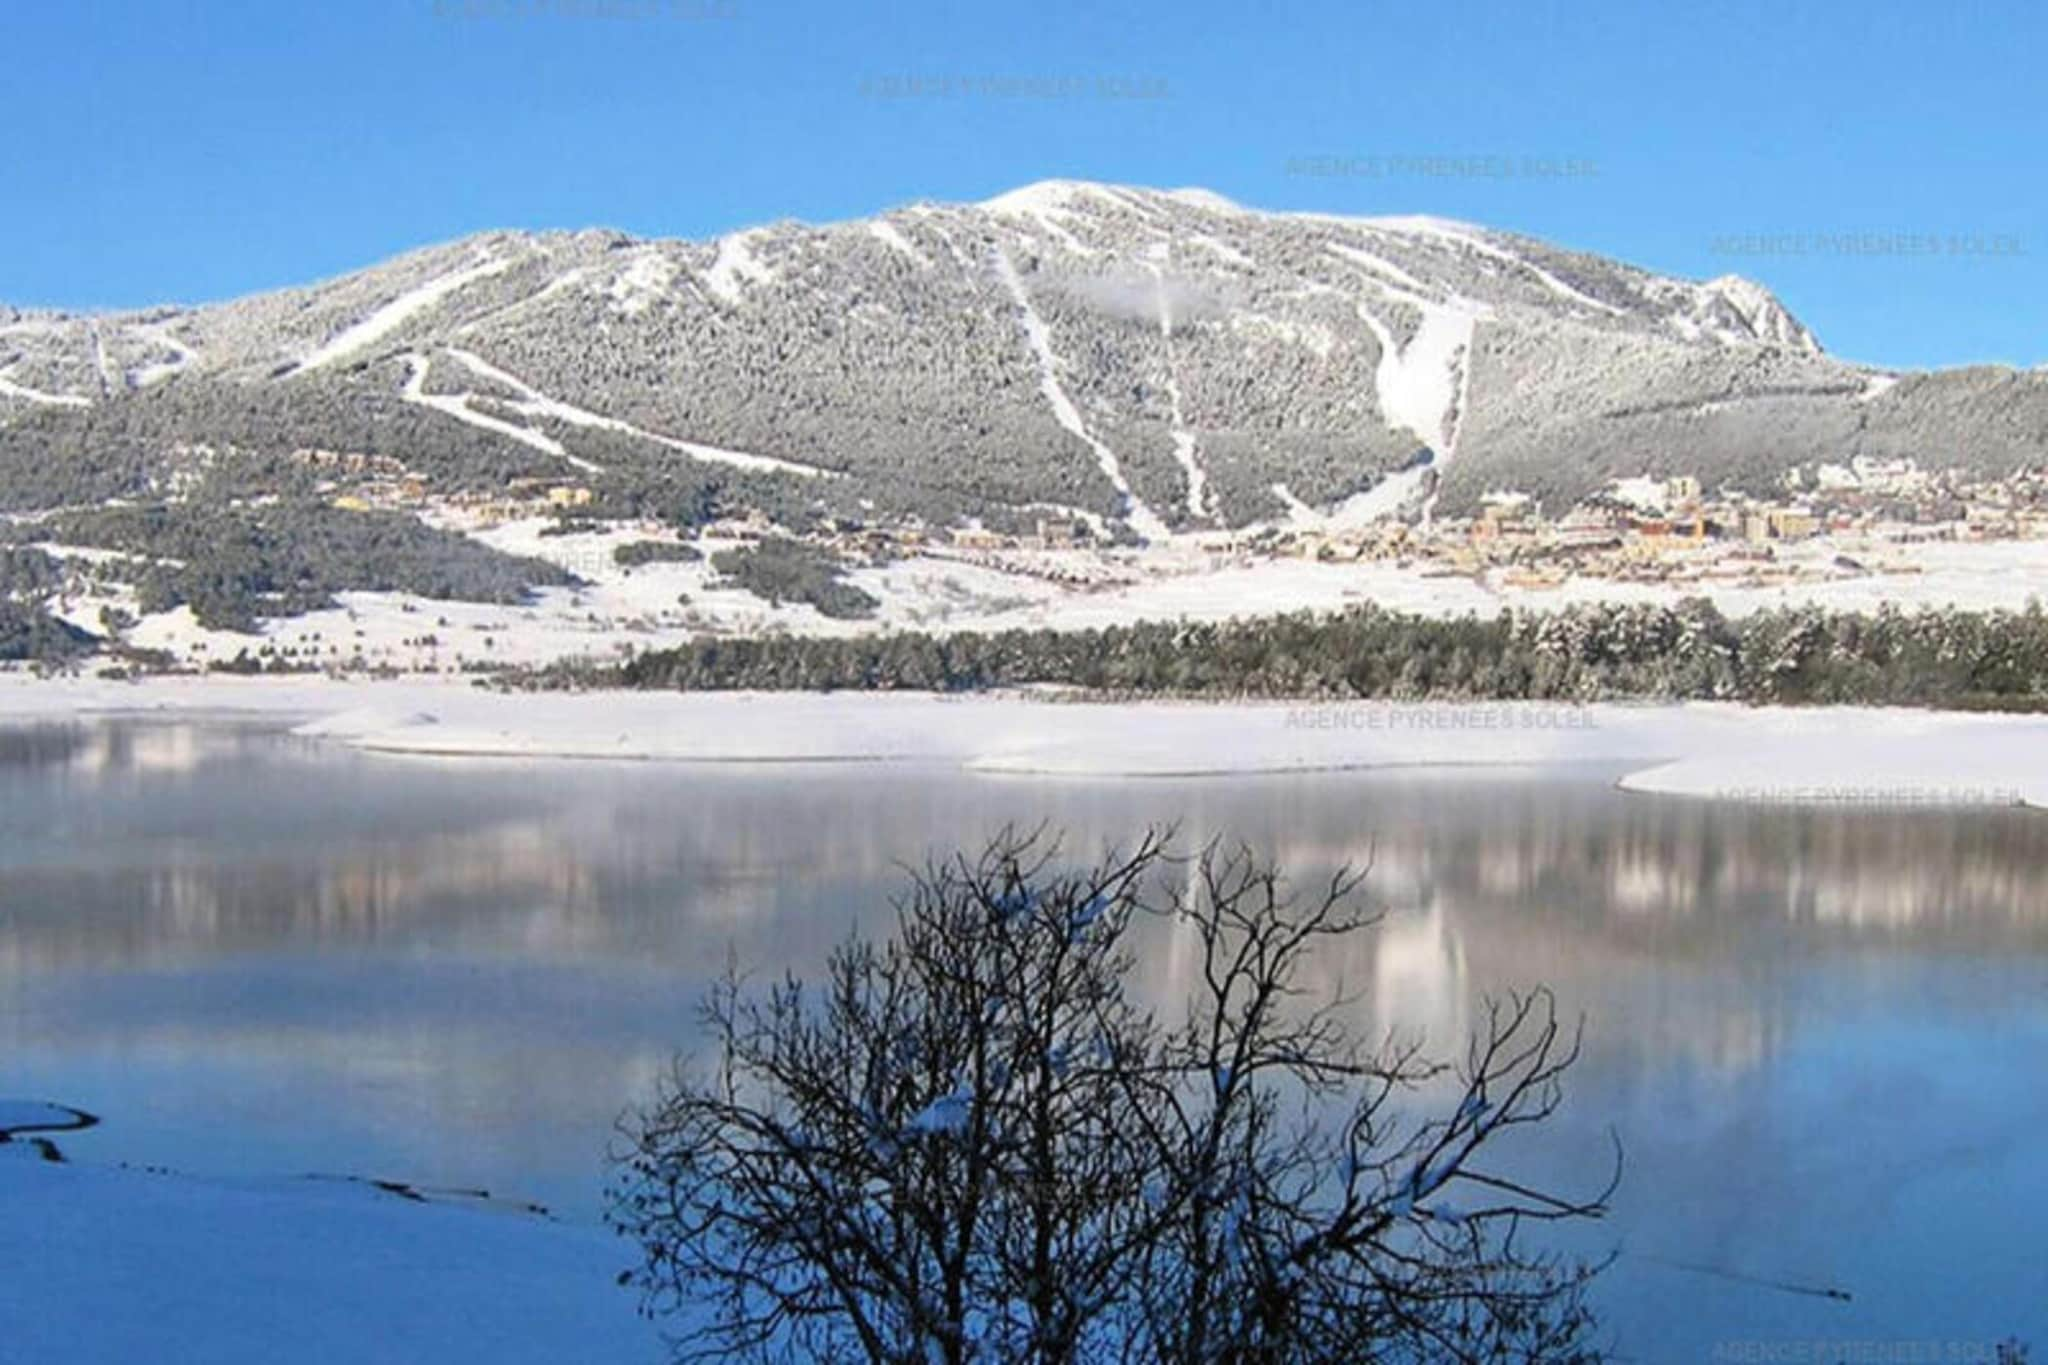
(1057, 533)
(976, 537)
(1589, 525)
(1504, 514)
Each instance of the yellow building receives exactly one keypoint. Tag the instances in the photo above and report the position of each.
(1792, 523)
(1778, 523)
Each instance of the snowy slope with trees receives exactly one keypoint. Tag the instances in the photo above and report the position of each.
(1159, 359)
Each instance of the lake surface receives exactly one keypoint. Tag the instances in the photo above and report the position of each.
(1822, 1036)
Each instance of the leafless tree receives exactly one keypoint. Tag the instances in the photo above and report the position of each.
(974, 1142)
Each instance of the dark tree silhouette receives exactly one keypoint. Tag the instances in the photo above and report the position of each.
(974, 1142)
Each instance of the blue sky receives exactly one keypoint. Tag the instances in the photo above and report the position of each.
(1882, 166)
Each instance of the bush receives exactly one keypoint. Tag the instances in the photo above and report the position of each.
(633, 555)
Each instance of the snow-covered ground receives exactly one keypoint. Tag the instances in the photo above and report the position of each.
(1827, 756)
(112, 1265)
(662, 605)
(1867, 758)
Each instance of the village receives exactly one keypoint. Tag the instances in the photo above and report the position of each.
(1838, 521)
(1834, 522)
(1827, 522)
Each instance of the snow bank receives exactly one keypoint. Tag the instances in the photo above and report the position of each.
(112, 1265)
(1808, 757)
(1820, 756)
(1867, 758)
(365, 721)
(23, 697)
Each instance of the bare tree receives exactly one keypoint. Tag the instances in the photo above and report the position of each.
(974, 1143)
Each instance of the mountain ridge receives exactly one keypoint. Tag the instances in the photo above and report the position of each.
(1148, 360)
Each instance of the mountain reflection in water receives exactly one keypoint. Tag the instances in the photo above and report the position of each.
(1813, 1029)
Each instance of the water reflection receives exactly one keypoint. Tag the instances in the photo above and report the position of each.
(249, 950)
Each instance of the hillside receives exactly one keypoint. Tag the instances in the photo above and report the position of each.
(1158, 360)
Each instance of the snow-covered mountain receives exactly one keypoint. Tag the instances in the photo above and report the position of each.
(1165, 359)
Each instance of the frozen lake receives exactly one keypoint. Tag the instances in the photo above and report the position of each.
(1821, 1034)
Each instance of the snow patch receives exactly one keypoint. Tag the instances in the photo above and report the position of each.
(160, 333)
(457, 406)
(1852, 757)
(10, 389)
(1046, 203)
(1043, 196)
(1420, 386)
(391, 316)
(1763, 317)
(535, 403)
(1464, 235)
(1299, 513)
(736, 265)
(1397, 494)
(1205, 199)
(1417, 291)
(644, 282)
(892, 237)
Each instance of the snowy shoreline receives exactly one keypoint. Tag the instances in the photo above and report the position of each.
(1809, 757)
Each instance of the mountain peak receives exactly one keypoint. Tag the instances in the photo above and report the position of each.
(1761, 313)
(1200, 198)
(1042, 195)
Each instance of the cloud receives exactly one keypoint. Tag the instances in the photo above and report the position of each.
(1140, 296)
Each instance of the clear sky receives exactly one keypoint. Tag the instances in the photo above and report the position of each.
(1883, 166)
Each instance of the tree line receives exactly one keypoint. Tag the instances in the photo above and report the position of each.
(1685, 651)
